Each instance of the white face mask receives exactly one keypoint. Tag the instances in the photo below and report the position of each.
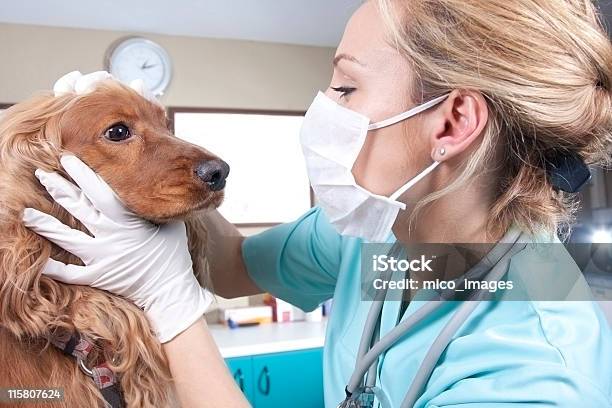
(332, 137)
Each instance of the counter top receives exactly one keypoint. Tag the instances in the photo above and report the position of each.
(268, 338)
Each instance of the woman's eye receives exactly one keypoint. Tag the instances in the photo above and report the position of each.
(117, 133)
(344, 90)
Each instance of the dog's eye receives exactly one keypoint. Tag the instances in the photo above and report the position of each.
(117, 133)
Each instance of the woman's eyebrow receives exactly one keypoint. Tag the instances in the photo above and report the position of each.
(347, 57)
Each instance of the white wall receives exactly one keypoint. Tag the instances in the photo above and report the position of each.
(207, 72)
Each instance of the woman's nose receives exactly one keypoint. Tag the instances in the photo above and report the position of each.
(213, 173)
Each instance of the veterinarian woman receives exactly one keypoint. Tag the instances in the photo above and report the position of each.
(490, 95)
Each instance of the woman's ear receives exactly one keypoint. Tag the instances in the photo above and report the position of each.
(458, 123)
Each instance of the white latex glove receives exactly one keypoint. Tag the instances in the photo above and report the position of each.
(79, 84)
(128, 256)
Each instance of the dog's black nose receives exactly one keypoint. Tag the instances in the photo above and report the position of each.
(213, 173)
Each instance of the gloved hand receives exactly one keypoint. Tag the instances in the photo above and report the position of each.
(77, 83)
(128, 256)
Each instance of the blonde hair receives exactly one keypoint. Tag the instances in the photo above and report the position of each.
(545, 70)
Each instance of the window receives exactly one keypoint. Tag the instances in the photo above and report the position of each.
(268, 183)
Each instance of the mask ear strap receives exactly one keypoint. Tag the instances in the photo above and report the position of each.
(403, 116)
(415, 180)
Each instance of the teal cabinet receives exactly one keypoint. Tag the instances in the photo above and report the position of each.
(242, 371)
(293, 378)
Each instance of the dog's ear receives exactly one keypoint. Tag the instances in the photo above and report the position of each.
(197, 238)
(29, 139)
(30, 132)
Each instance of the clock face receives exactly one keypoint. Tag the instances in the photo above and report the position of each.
(139, 58)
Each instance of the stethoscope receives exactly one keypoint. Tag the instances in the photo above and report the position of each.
(361, 390)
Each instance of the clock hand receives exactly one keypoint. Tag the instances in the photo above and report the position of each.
(148, 66)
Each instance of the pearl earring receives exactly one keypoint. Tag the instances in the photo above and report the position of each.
(442, 151)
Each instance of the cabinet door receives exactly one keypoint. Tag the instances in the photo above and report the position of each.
(241, 369)
(291, 379)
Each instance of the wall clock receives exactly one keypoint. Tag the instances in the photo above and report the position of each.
(132, 58)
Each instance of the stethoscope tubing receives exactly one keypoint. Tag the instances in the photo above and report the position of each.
(452, 326)
(366, 358)
(388, 340)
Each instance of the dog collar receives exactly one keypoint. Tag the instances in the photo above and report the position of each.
(79, 347)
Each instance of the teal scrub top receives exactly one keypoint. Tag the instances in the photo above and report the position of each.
(525, 353)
